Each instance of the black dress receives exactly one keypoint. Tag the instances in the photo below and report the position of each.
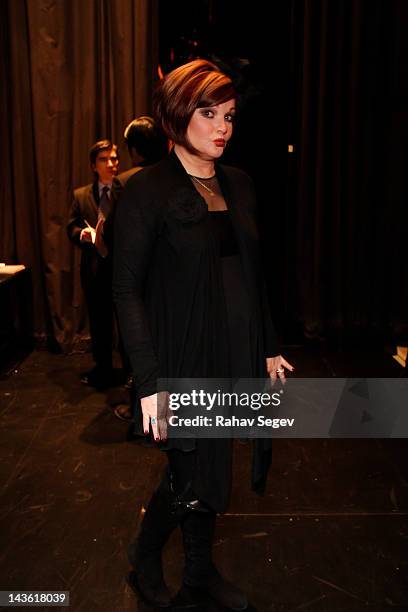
(174, 292)
(241, 327)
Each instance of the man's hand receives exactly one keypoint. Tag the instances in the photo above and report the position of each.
(88, 235)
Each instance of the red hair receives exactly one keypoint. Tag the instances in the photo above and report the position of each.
(197, 84)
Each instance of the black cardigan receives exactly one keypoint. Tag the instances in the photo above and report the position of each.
(167, 281)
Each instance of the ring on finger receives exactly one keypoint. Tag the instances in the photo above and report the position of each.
(280, 371)
(153, 420)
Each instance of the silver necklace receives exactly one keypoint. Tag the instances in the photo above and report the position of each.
(210, 191)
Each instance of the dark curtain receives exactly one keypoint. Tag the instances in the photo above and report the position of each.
(329, 77)
(346, 225)
(335, 245)
(73, 72)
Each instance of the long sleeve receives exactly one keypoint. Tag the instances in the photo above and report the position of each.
(135, 235)
(75, 223)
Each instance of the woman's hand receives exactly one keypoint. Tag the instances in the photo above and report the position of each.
(276, 367)
(155, 410)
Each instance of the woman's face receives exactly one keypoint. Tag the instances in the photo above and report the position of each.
(210, 129)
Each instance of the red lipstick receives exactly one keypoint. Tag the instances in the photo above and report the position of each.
(220, 142)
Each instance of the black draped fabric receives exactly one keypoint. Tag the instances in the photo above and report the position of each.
(169, 291)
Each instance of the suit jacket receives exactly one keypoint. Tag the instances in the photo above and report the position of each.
(118, 185)
(85, 207)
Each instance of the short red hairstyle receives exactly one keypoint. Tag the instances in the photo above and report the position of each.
(198, 84)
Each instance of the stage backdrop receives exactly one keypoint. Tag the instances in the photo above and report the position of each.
(74, 72)
(346, 222)
(329, 77)
(337, 72)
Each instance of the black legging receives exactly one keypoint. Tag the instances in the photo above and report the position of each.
(182, 465)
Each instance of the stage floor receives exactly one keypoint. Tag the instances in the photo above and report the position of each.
(330, 535)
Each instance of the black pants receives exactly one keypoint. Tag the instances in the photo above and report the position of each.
(97, 288)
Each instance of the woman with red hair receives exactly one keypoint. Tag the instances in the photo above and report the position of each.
(192, 304)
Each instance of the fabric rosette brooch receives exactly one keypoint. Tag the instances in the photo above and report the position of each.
(187, 206)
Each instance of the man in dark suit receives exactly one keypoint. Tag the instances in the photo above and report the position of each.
(91, 208)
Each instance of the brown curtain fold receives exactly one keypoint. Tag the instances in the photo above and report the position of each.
(75, 71)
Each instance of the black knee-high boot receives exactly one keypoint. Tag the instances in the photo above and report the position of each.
(144, 553)
(200, 575)
(198, 534)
